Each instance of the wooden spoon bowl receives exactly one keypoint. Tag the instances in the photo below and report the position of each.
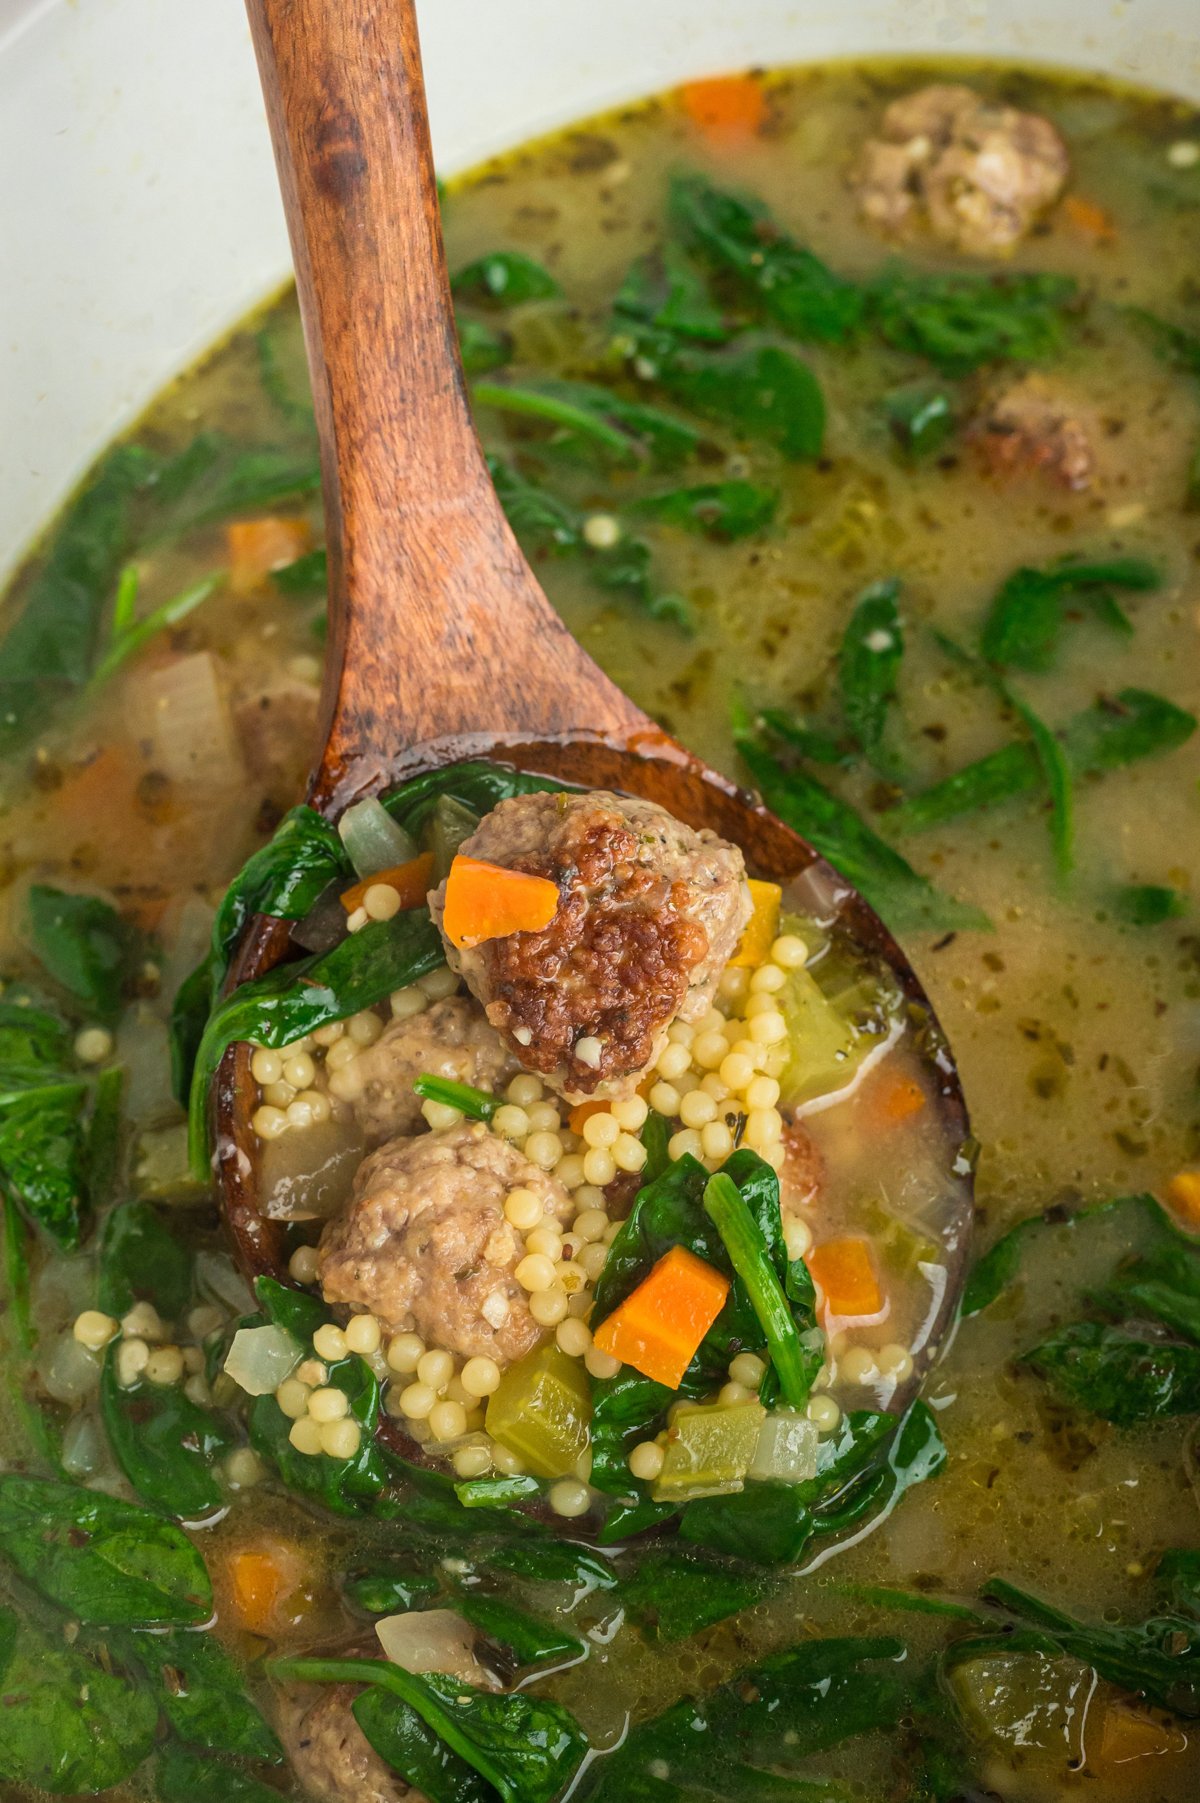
(442, 645)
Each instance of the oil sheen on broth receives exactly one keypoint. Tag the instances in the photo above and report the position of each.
(1073, 1019)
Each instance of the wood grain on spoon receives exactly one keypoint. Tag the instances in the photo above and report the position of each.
(442, 644)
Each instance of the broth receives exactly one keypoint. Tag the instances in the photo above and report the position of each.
(1075, 1031)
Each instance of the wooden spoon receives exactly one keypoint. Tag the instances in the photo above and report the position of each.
(442, 644)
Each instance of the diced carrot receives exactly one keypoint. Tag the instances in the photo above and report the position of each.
(660, 1324)
(256, 547)
(1129, 1734)
(727, 106)
(486, 901)
(846, 1274)
(411, 880)
(1183, 1197)
(762, 928)
(583, 1111)
(257, 1583)
(898, 1099)
(1090, 219)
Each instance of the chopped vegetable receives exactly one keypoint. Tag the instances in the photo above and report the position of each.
(787, 1449)
(261, 1357)
(257, 1583)
(725, 106)
(1027, 614)
(477, 1104)
(869, 662)
(259, 547)
(410, 880)
(583, 1111)
(1183, 1196)
(486, 901)
(541, 1411)
(709, 1450)
(845, 1272)
(825, 1049)
(750, 1257)
(921, 417)
(897, 1099)
(504, 278)
(1089, 218)
(960, 321)
(761, 929)
(1148, 904)
(660, 1324)
(372, 839)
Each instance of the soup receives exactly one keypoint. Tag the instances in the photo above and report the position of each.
(849, 417)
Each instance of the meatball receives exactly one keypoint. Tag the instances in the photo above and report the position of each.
(425, 1237)
(330, 1754)
(1034, 428)
(450, 1039)
(649, 914)
(979, 174)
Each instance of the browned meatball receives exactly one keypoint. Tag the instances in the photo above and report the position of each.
(452, 1038)
(1036, 428)
(425, 1237)
(979, 175)
(649, 914)
(330, 1754)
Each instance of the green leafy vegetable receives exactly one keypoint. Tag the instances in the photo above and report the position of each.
(751, 1258)
(905, 899)
(586, 416)
(961, 321)
(504, 278)
(42, 1138)
(526, 1747)
(295, 999)
(756, 390)
(666, 291)
(414, 1750)
(165, 1444)
(482, 347)
(183, 1777)
(530, 1639)
(83, 943)
(1026, 617)
(1115, 731)
(129, 634)
(721, 510)
(1119, 1374)
(676, 1591)
(478, 1104)
(203, 1695)
(921, 417)
(788, 283)
(70, 1725)
(142, 1260)
(869, 662)
(108, 1562)
(1148, 904)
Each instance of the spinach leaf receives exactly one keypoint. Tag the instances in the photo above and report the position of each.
(295, 999)
(243, 479)
(1026, 616)
(905, 899)
(1148, 904)
(787, 282)
(33, 1040)
(142, 1260)
(1119, 1374)
(184, 1777)
(70, 1725)
(412, 1748)
(42, 1139)
(165, 1444)
(1178, 1577)
(921, 417)
(869, 662)
(504, 278)
(1115, 731)
(304, 576)
(82, 942)
(625, 569)
(794, 1363)
(530, 1639)
(756, 390)
(721, 510)
(15, 1266)
(292, 406)
(344, 1486)
(128, 634)
(961, 321)
(676, 1591)
(809, 742)
(588, 418)
(395, 1585)
(626, 1409)
(48, 651)
(474, 784)
(666, 291)
(1180, 349)
(1159, 1659)
(109, 1562)
(525, 1746)
(477, 1104)
(496, 1492)
(992, 1274)
(744, 1737)
(203, 1694)
(481, 347)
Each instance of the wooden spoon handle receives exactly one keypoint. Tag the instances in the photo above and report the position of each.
(438, 628)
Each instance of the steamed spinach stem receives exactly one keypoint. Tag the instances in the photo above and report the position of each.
(128, 637)
(478, 1104)
(747, 1249)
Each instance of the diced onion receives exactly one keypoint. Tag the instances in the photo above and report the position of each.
(428, 1640)
(787, 1449)
(261, 1357)
(219, 1279)
(372, 838)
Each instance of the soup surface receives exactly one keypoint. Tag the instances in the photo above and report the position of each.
(852, 425)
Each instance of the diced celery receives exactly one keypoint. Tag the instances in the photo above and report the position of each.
(162, 1172)
(901, 1246)
(542, 1411)
(787, 1449)
(451, 822)
(709, 1450)
(824, 1049)
(1031, 1703)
